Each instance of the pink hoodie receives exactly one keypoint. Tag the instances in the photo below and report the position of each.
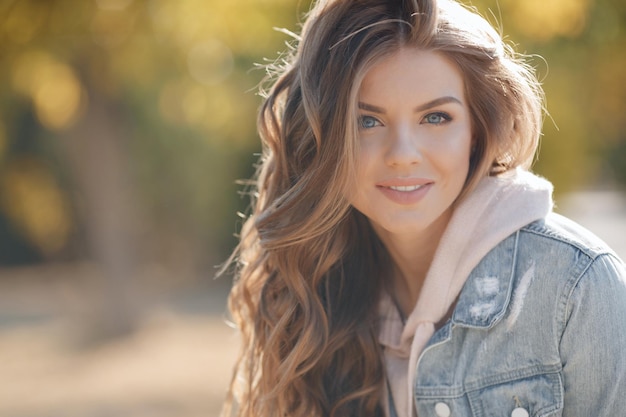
(498, 207)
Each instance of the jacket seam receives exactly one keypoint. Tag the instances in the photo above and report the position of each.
(568, 294)
(485, 382)
(548, 232)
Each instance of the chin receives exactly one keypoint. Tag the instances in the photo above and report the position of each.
(403, 228)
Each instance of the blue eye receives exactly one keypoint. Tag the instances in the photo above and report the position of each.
(437, 118)
(368, 122)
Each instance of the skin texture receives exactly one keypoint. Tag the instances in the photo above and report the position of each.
(414, 133)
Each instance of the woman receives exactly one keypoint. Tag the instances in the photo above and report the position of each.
(400, 260)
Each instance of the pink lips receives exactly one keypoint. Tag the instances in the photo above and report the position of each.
(403, 192)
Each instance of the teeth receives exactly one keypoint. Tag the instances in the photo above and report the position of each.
(405, 188)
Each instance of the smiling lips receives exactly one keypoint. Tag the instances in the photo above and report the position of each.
(405, 187)
(405, 191)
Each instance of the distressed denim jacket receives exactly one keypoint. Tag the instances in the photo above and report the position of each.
(539, 329)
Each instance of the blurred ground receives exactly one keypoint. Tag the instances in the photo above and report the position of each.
(179, 361)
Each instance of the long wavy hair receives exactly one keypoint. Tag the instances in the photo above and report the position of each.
(309, 268)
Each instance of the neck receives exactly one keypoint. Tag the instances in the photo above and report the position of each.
(411, 255)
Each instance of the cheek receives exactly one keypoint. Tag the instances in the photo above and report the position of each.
(462, 144)
(453, 157)
(453, 154)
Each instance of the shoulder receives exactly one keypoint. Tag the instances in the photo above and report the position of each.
(564, 234)
(573, 264)
(557, 259)
(542, 270)
(564, 252)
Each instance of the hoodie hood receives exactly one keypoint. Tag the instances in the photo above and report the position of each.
(498, 207)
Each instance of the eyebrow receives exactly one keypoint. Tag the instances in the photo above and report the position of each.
(433, 103)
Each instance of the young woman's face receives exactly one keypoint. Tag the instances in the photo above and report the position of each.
(415, 140)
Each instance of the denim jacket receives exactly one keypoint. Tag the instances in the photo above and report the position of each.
(539, 329)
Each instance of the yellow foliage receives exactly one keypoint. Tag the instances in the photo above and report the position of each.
(36, 205)
(111, 27)
(546, 19)
(210, 62)
(57, 103)
(24, 20)
(243, 25)
(52, 86)
(113, 4)
(609, 94)
(184, 102)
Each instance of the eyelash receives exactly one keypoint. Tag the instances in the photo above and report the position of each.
(445, 118)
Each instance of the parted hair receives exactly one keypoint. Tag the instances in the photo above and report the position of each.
(308, 267)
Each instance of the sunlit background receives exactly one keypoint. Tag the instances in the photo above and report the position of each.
(124, 126)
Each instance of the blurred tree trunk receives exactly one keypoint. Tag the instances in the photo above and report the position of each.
(95, 150)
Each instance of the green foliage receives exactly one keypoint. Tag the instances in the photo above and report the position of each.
(181, 78)
(583, 70)
(178, 78)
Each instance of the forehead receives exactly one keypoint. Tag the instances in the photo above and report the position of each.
(412, 73)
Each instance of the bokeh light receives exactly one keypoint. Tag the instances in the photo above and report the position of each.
(545, 19)
(113, 4)
(210, 62)
(111, 27)
(34, 201)
(25, 20)
(142, 113)
(52, 86)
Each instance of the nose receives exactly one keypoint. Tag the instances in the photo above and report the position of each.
(404, 148)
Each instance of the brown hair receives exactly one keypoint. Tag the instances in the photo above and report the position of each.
(309, 266)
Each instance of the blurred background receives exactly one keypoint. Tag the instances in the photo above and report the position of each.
(124, 127)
